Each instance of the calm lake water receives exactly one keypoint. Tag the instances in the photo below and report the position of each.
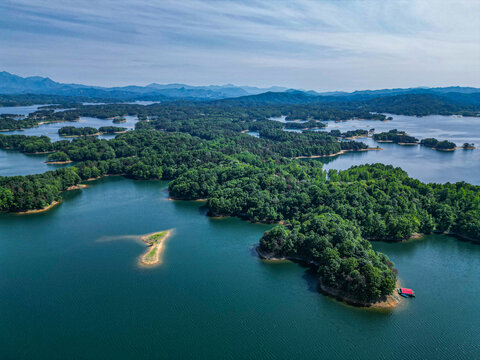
(14, 163)
(70, 287)
(20, 110)
(420, 162)
(51, 130)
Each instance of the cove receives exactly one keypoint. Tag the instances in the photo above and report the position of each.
(70, 287)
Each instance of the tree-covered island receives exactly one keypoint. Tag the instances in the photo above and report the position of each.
(395, 136)
(438, 145)
(71, 131)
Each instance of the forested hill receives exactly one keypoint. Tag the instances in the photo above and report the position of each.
(18, 91)
(407, 104)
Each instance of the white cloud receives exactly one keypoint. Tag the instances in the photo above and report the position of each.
(304, 43)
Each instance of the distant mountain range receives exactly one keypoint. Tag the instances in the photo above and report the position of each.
(11, 84)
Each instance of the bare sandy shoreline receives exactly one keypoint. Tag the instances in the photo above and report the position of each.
(58, 162)
(153, 255)
(36, 211)
(338, 153)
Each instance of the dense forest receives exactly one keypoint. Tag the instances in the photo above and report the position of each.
(86, 131)
(326, 218)
(77, 131)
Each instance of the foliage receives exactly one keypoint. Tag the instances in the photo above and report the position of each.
(77, 131)
(395, 136)
(438, 145)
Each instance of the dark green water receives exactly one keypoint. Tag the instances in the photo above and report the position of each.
(70, 288)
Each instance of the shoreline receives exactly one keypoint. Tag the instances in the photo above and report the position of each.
(58, 162)
(77, 187)
(356, 137)
(40, 152)
(455, 148)
(76, 136)
(338, 153)
(156, 247)
(52, 205)
(171, 198)
(390, 302)
(95, 134)
(36, 211)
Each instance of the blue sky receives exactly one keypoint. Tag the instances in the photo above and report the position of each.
(321, 45)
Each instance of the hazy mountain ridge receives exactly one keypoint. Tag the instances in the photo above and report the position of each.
(11, 84)
(14, 84)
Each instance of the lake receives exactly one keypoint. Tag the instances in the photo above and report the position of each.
(20, 110)
(51, 130)
(14, 163)
(71, 287)
(419, 162)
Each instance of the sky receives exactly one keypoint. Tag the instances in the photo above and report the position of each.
(308, 44)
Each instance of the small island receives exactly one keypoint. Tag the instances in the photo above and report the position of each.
(71, 131)
(119, 120)
(468, 146)
(111, 130)
(396, 136)
(438, 145)
(156, 246)
(308, 125)
(350, 135)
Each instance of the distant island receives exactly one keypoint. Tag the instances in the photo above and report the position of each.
(395, 136)
(402, 138)
(71, 131)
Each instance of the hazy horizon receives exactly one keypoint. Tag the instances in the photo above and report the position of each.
(322, 46)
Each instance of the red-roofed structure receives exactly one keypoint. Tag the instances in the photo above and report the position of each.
(407, 291)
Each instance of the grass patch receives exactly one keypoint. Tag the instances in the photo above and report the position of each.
(151, 255)
(155, 237)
